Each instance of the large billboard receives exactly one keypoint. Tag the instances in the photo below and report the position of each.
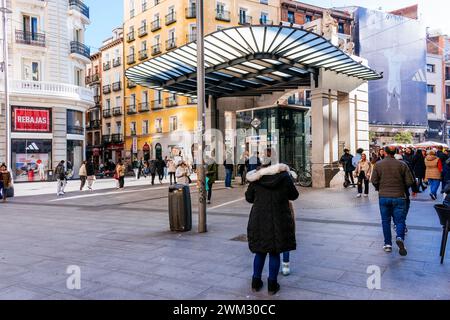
(396, 46)
(27, 119)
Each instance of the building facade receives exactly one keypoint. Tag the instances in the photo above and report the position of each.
(48, 97)
(113, 91)
(155, 119)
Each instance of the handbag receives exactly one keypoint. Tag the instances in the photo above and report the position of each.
(116, 176)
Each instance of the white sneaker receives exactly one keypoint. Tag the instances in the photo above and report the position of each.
(285, 270)
(387, 248)
(359, 195)
(366, 195)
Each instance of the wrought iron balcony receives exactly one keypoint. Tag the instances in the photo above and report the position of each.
(156, 49)
(97, 100)
(95, 124)
(191, 37)
(143, 54)
(131, 59)
(144, 107)
(92, 78)
(116, 138)
(171, 44)
(80, 48)
(106, 138)
(117, 111)
(222, 15)
(79, 6)
(171, 102)
(156, 105)
(156, 25)
(131, 109)
(30, 38)
(117, 86)
(107, 113)
(245, 20)
(142, 31)
(131, 84)
(106, 89)
(265, 22)
(191, 12)
(117, 62)
(106, 66)
(130, 36)
(78, 130)
(171, 18)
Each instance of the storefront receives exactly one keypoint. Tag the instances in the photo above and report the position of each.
(284, 130)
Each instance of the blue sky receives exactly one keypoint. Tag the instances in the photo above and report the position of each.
(107, 14)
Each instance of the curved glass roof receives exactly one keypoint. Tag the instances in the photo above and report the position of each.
(248, 60)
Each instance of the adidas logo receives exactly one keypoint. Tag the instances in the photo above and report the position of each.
(32, 147)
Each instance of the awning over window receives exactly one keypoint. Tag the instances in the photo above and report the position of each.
(248, 60)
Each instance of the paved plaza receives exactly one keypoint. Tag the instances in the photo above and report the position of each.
(121, 242)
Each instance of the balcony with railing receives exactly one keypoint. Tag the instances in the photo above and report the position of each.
(156, 105)
(131, 59)
(94, 78)
(143, 54)
(30, 38)
(144, 107)
(171, 44)
(223, 15)
(191, 37)
(117, 138)
(80, 7)
(106, 89)
(43, 89)
(303, 102)
(156, 49)
(245, 20)
(78, 130)
(265, 22)
(107, 113)
(117, 62)
(171, 18)
(97, 100)
(95, 124)
(142, 31)
(131, 109)
(106, 66)
(133, 132)
(191, 12)
(131, 84)
(130, 36)
(81, 49)
(155, 25)
(171, 102)
(117, 86)
(106, 138)
(117, 111)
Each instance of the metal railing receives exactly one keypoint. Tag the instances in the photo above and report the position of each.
(131, 109)
(117, 86)
(131, 59)
(223, 15)
(191, 12)
(106, 66)
(156, 104)
(191, 37)
(79, 6)
(80, 48)
(131, 84)
(117, 62)
(171, 43)
(171, 102)
(106, 138)
(95, 124)
(171, 18)
(265, 22)
(130, 36)
(117, 111)
(79, 130)
(143, 54)
(155, 25)
(116, 138)
(30, 38)
(142, 31)
(107, 113)
(92, 78)
(106, 89)
(245, 20)
(156, 49)
(144, 107)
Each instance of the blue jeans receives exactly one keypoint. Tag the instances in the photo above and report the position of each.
(2, 190)
(286, 256)
(394, 208)
(434, 186)
(228, 174)
(274, 265)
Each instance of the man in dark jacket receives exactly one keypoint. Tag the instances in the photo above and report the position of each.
(90, 170)
(443, 157)
(160, 165)
(346, 162)
(152, 170)
(61, 179)
(271, 227)
(392, 178)
(229, 167)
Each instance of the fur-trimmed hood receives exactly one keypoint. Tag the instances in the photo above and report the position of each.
(270, 176)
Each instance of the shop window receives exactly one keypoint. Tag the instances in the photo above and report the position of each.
(75, 122)
(31, 159)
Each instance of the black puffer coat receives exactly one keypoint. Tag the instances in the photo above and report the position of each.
(271, 227)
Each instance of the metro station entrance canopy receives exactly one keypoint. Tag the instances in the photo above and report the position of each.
(248, 61)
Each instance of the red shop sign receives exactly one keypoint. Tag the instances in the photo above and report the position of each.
(32, 120)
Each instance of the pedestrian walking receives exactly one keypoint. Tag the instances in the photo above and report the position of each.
(242, 167)
(182, 173)
(160, 165)
(363, 173)
(433, 173)
(270, 227)
(443, 157)
(61, 178)
(347, 163)
(391, 178)
(83, 175)
(152, 170)
(228, 164)
(90, 169)
(419, 168)
(166, 170)
(120, 172)
(135, 165)
(172, 168)
(211, 174)
(5, 181)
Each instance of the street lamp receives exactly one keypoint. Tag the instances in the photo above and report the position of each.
(6, 11)
(201, 118)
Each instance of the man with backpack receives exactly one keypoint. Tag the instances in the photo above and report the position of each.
(61, 178)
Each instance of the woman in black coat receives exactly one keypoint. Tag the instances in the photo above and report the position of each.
(419, 168)
(271, 227)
